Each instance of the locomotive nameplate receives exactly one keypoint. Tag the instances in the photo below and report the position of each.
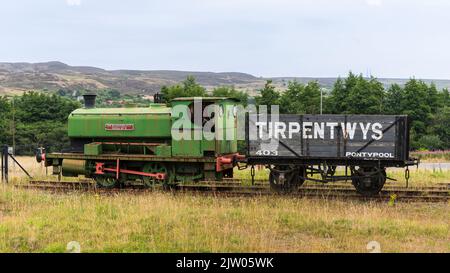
(119, 127)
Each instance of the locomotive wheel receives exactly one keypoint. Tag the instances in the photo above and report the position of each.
(154, 167)
(106, 182)
(368, 181)
(285, 179)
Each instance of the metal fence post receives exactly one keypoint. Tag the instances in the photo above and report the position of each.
(1, 165)
(5, 163)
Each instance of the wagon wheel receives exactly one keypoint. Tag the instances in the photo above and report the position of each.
(106, 182)
(368, 181)
(154, 167)
(285, 178)
(301, 174)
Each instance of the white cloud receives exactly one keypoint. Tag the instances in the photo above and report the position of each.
(375, 3)
(73, 2)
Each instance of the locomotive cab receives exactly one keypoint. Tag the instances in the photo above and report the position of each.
(210, 126)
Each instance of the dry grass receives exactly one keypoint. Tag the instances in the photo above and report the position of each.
(11, 91)
(418, 177)
(33, 221)
(163, 222)
(36, 170)
(432, 156)
(30, 164)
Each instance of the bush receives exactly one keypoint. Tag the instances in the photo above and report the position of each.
(430, 142)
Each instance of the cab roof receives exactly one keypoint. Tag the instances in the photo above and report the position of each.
(204, 98)
(123, 111)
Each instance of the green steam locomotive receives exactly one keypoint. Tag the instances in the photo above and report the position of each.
(115, 146)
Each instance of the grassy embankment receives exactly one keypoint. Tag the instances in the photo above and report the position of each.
(432, 156)
(164, 222)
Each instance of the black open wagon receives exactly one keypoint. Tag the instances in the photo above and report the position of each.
(295, 147)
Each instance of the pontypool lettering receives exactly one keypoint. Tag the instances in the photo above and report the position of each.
(368, 154)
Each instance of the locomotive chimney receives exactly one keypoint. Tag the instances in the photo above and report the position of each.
(89, 100)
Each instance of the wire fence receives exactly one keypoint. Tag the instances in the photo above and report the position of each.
(22, 149)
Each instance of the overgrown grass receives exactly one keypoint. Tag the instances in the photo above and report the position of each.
(430, 156)
(36, 170)
(418, 177)
(33, 221)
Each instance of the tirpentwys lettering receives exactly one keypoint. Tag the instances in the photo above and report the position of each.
(319, 130)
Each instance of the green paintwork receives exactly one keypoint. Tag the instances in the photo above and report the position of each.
(55, 158)
(164, 150)
(73, 167)
(199, 147)
(187, 148)
(93, 149)
(208, 145)
(151, 122)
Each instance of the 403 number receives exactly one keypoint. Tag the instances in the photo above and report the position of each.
(266, 152)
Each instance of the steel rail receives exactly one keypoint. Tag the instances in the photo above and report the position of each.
(435, 193)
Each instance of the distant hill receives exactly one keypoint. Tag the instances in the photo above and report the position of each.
(329, 82)
(52, 76)
(16, 77)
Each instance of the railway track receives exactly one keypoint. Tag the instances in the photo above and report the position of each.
(234, 187)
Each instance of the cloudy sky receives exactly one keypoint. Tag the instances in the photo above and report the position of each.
(319, 38)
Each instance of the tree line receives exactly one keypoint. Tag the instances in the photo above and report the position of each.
(35, 119)
(426, 106)
(39, 119)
